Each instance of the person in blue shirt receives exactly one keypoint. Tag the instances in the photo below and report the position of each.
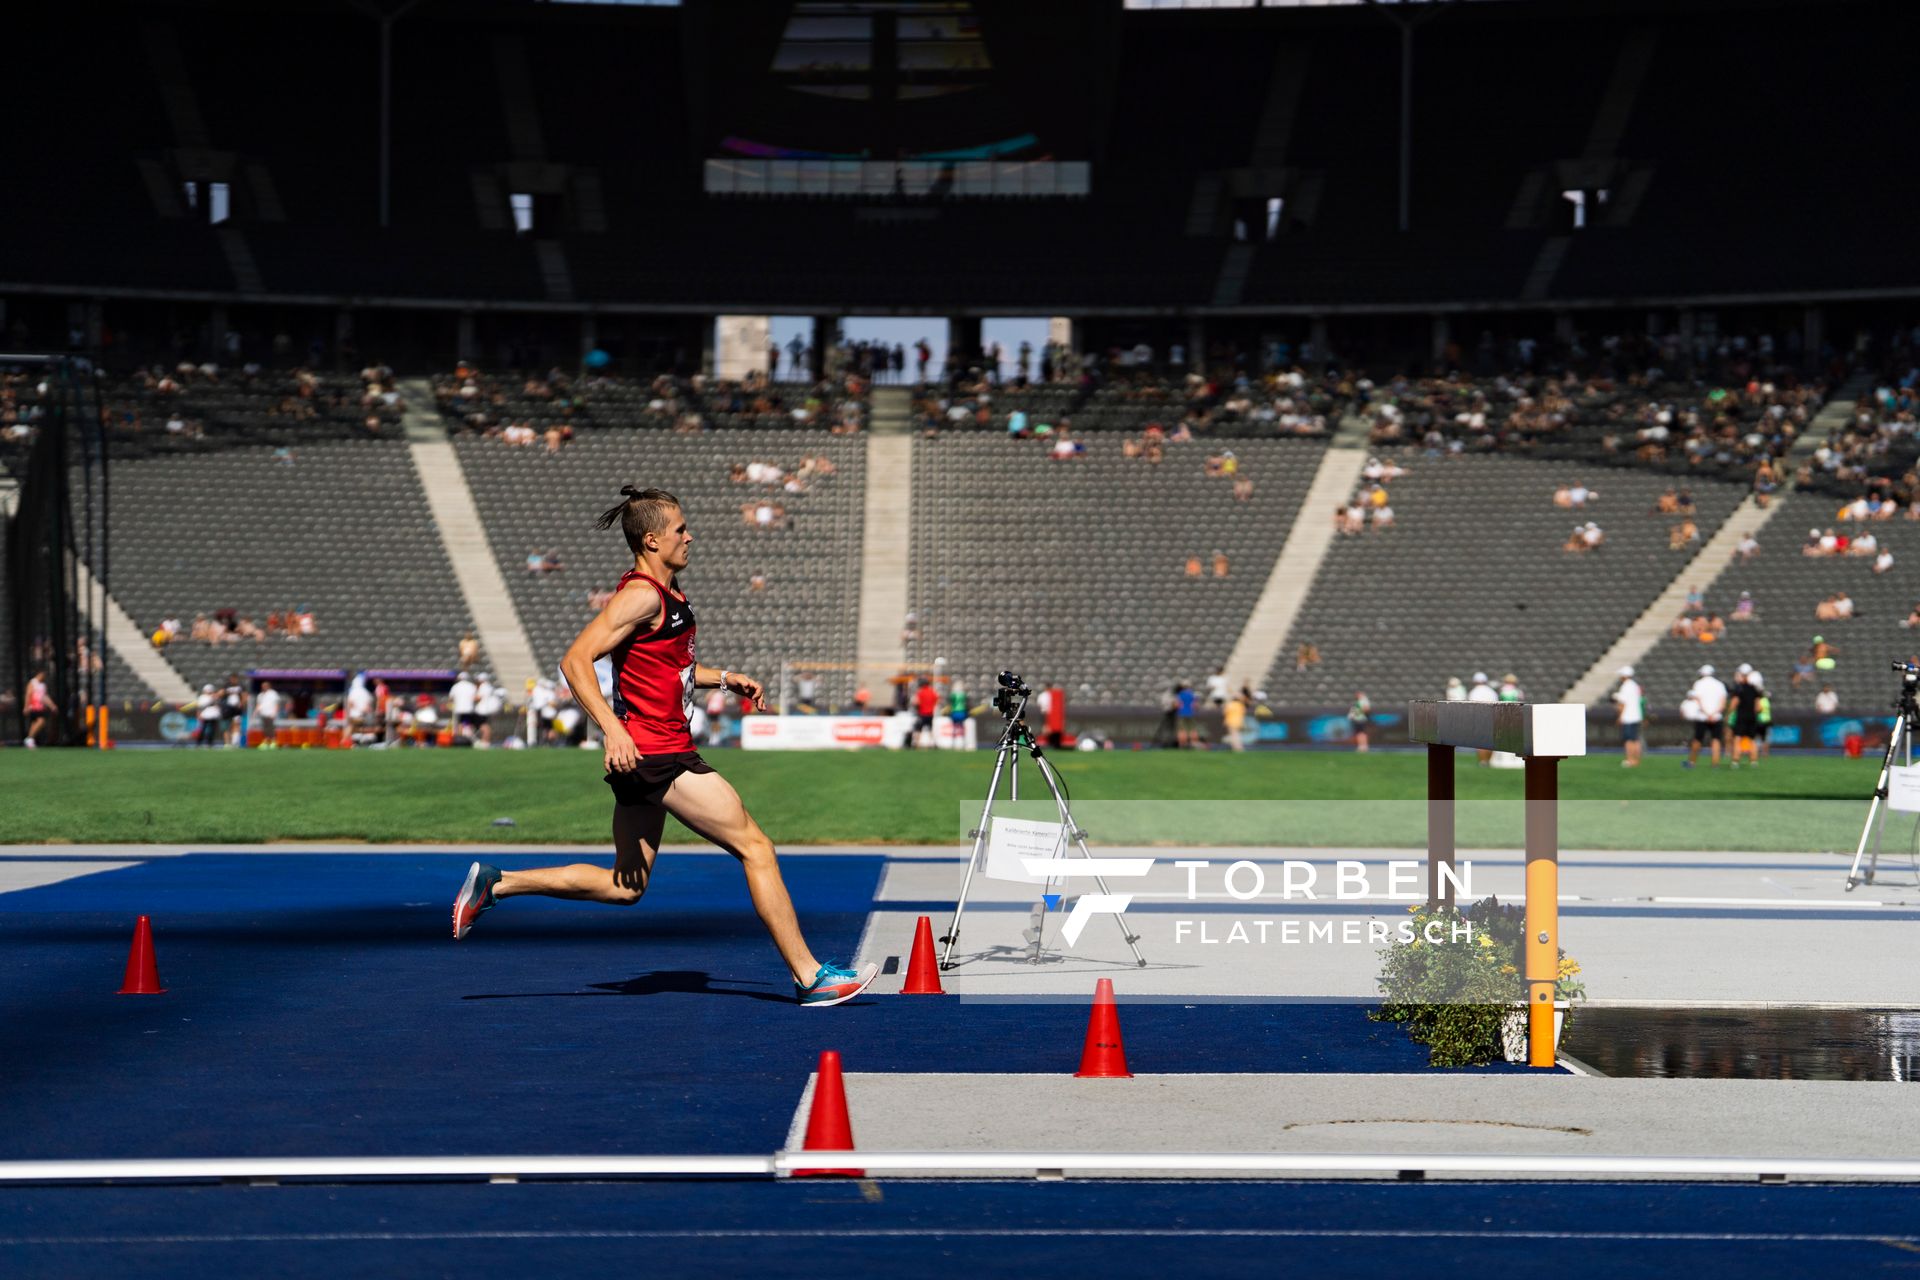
(1183, 724)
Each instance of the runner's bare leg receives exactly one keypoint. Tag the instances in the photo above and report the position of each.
(707, 803)
(636, 841)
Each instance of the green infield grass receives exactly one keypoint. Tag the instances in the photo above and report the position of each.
(1324, 799)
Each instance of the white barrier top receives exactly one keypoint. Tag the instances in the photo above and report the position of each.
(1523, 728)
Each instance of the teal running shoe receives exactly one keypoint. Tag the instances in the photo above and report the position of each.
(834, 985)
(476, 896)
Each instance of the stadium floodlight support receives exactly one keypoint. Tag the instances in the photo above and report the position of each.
(1542, 735)
(1396, 13)
(386, 18)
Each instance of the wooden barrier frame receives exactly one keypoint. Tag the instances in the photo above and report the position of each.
(1542, 735)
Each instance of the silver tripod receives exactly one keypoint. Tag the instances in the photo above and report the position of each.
(1899, 748)
(1017, 737)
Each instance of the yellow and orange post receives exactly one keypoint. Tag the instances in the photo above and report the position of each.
(1543, 905)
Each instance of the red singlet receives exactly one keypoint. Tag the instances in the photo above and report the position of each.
(653, 674)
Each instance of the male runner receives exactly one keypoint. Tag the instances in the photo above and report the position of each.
(651, 765)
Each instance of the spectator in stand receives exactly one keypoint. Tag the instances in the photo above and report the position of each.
(1747, 549)
(1305, 655)
(1682, 535)
(1590, 535)
(1383, 517)
(1826, 702)
(1360, 720)
(1743, 720)
(1710, 700)
(207, 711)
(267, 705)
(1743, 608)
(959, 707)
(1233, 718)
(488, 703)
(1219, 563)
(1631, 702)
(39, 709)
(1456, 690)
(926, 702)
(1184, 735)
(462, 699)
(360, 706)
(233, 709)
(469, 651)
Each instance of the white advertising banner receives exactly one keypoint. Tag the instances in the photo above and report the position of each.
(841, 733)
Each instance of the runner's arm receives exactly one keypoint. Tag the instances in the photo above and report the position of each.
(744, 685)
(626, 613)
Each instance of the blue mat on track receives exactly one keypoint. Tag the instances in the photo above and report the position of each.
(317, 1006)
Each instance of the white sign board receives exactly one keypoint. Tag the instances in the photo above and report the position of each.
(1011, 839)
(1903, 788)
(829, 733)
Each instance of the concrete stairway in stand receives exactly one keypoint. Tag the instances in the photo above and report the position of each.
(885, 536)
(501, 633)
(1300, 558)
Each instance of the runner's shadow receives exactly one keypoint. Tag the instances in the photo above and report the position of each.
(658, 983)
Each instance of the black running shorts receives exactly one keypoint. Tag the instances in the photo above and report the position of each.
(647, 782)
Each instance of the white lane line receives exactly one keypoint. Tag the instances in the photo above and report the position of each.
(1819, 903)
(984, 1233)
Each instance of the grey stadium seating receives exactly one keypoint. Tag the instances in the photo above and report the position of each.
(531, 500)
(1073, 570)
(344, 530)
(1473, 579)
(1786, 586)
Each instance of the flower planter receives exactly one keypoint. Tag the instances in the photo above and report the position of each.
(1513, 1030)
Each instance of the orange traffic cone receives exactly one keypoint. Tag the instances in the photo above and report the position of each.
(1104, 1057)
(828, 1127)
(923, 971)
(143, 975)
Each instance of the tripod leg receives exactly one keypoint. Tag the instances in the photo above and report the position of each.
(979, 845)
(1080, 839)
(1875, 818)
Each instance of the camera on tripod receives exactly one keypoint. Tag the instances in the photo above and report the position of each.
(1011, 695)
(1899, 756)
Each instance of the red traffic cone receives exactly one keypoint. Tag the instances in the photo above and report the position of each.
(828, 1128)
(923, 971)
(143, 975)
(1104, 1057)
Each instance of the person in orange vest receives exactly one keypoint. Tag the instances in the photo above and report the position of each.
(1056, 715)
